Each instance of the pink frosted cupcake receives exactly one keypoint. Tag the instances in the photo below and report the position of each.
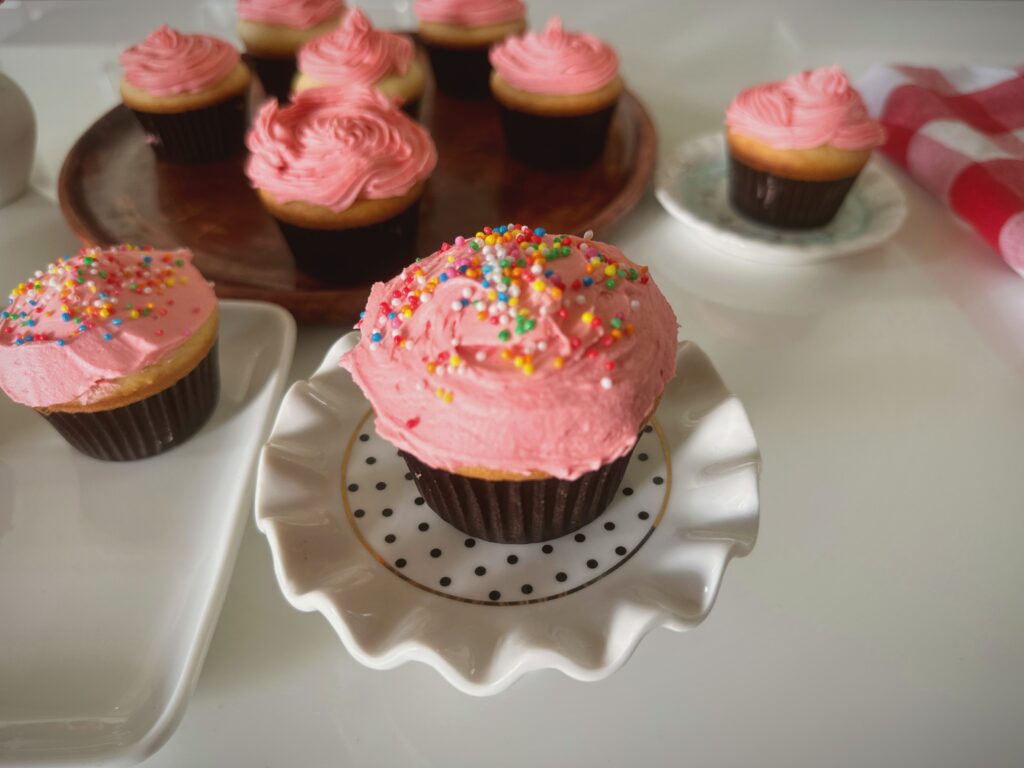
(796, 147)
(116, 348)
(515, 369)
(274, 30)
(188, 93)
(557, 91)
(342, 170)
(457, 35)
(357, 54)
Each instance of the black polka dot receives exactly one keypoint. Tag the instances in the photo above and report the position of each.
(408, 475)
(561, 576)
(643, 457)
(470, 543)
(527, 589)
(424, 526)
(418, 501)
(547, 549)
(658, 479)
(512, 559)
(648, 429)
(620, 551)
(495, 595)
(381, 485)
(435, 552)
(400, 562)
(580, 537)
(445, 581)
(370, 460)
(364, 437)
(390, 538)
(359, 512)
(480, 570)
(609, 526)
(592, 564)
(627, 491)
(387, 511)
(643, 515)
(353, 487)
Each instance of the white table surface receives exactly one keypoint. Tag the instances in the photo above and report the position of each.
(880, 618)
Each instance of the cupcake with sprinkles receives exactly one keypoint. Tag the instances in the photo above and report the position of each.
(557, 91)
(342, 171)
(515, 369)
(116, 348)
(457, 35)
(796, 147)
(357, 54)
(188, 94)
(272, 32)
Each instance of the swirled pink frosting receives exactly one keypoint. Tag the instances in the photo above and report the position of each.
(168, 62)
(555, 61)
(71, 329)
(333, 145)
(515, 350)
(355, 53)
(298, 14)
(809, 109)
(469, 13)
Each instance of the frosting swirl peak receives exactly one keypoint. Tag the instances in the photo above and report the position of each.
(555, 61)
(333, 145)
(168, 62)
(806, 110)
(355, 53)
(298, 14)
(469, 13)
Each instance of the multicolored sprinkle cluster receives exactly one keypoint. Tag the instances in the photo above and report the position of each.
(93, 291)
(513, 265)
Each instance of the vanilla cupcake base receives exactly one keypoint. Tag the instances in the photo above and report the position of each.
(459, 55)
(270, 51)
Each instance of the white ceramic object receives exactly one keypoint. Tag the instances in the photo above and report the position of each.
(17, 140)
(351, 538)
(112, 575)
(692, 185)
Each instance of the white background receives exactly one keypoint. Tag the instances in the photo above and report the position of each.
(880, 618)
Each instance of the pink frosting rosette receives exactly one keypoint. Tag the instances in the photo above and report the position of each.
(298, 14)
(168, 62)
(355, 53)
(469, 13)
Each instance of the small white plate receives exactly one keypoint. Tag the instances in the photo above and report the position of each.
(692, 185)
(112, 575)
(351, 538)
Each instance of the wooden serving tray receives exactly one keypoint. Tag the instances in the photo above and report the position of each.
(112, 189)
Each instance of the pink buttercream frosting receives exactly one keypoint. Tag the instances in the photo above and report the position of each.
(333, 145)
(469, 13)
(355, 53)
(516, 350)
(68, 331)
(168, 62)
(555, 61)
(298, 14)
(806, 110)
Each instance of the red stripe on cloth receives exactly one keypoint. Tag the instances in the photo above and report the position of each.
(980, 196)
(912, 106)
(1004, 99)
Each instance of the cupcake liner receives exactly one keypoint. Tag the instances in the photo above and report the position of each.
(275, 74)
(785, 203)
(150, 426)
(461, 72)
(203, 135)
(517, 512)
(556, 143)
(412, 107)
(339, 256)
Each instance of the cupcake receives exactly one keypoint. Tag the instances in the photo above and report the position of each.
(116, 348)
(796, 147)
(557, 92)
(188, 93)
(514, 370)
(342, 170)
(457, 35)
(357, 54)
(273, 30)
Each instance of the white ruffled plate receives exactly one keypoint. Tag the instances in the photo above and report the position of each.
(692, 185)
(351, 538)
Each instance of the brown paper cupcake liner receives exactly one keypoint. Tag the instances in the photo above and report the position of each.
(275, 74)
(340, 256)
(517, 512)
(150, 426)
(461, 72)
(203, 135)
(785, 203)
(556, 143)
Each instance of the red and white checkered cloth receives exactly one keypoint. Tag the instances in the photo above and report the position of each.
(960, 133)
